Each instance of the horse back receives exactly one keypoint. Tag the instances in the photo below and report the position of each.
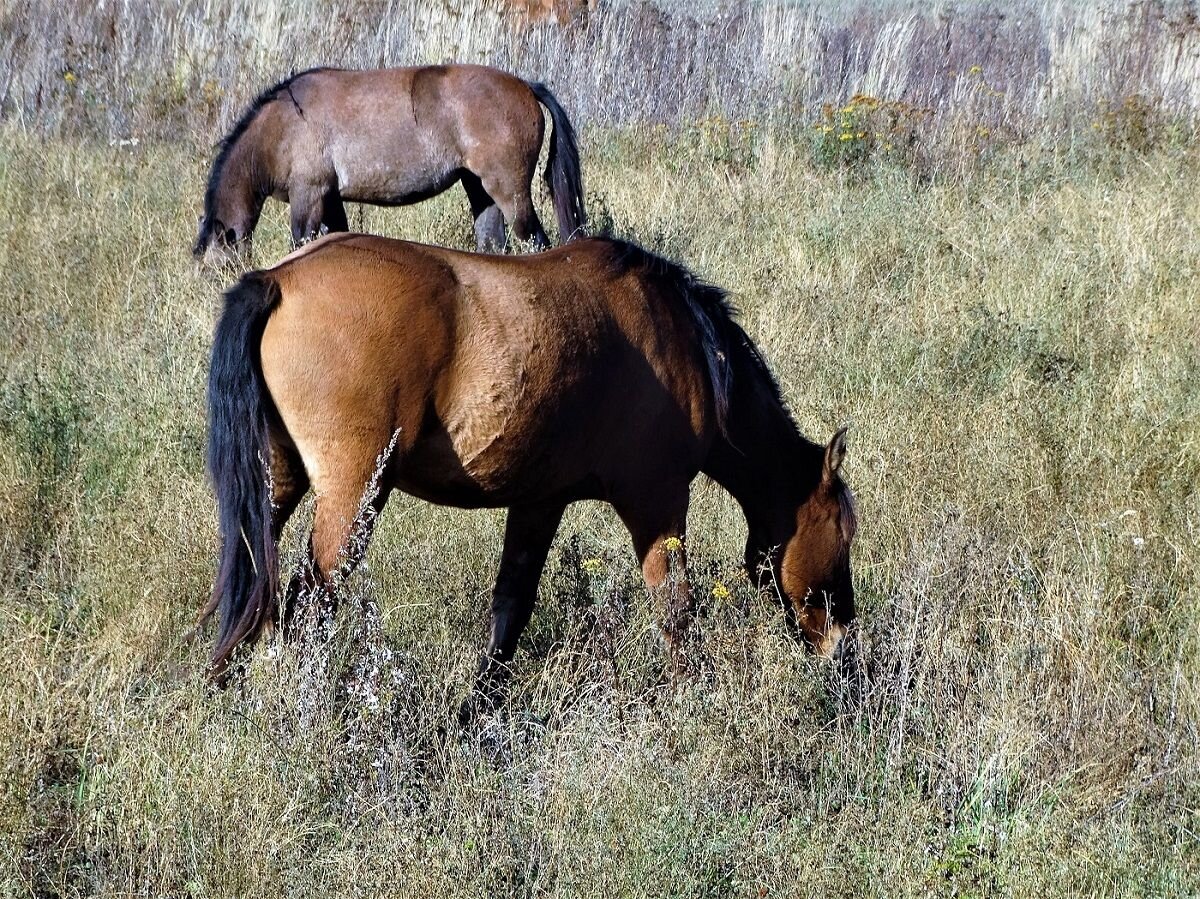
(391, 135)
(507, 376)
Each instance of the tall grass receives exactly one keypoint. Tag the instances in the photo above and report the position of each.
(130, 69)
(1016, 350)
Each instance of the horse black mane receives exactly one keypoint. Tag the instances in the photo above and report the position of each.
(230, 140)
(722, 338)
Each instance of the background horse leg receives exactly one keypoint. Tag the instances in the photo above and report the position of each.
(528, 534)
(333, 214)
(657, 524)
(307, 212)
(515, 201)
(490, 236)
(525, 222)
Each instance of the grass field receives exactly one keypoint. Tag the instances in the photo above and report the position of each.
(1012, 335)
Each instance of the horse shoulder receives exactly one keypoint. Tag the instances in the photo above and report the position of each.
(489, 379)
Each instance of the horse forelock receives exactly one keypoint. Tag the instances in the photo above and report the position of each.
(230, 140)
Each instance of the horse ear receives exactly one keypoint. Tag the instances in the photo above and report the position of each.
(835, 454)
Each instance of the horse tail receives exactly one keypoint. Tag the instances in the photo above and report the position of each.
(562, 168)
(238, 463)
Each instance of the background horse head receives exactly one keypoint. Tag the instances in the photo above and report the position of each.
(392, 137)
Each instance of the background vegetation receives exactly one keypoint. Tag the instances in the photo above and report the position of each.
(993, 277)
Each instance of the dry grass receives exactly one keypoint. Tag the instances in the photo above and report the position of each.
(1015, 342)
(1017, 353)
(136, 70)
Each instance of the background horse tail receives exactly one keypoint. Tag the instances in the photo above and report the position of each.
(239, 453)
(562, 168)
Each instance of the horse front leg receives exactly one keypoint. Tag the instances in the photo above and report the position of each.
(658, 527)
(528, 534)
(308, 210)
(333, 215)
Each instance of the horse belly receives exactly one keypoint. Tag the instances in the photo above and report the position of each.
(439, 471)
(366, 175)
(494, 442)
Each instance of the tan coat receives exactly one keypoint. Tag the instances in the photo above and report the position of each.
(593, 371)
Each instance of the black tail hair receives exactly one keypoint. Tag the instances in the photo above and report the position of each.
(562, 168)
(238, 463)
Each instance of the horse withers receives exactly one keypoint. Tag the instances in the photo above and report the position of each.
(593, 371)
(392, 137)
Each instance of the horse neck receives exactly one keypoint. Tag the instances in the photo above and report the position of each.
(763, 461)
(245, 181)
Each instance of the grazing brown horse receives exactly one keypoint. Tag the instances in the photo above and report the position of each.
(593, 371)
(557, 12)
(391, 137)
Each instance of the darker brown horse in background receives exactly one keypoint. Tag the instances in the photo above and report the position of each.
(593, 371)
(392, 137)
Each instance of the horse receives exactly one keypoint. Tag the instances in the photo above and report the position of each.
(391, 137)
(530, 13)
(596, 370)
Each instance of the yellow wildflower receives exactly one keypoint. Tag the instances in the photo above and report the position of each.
(593, 566)
(976, 70)
(845, 136)
(673, 544)
(69, 77)
(720, 591)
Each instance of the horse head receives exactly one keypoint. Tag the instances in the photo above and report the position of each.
(815, 563)
(219, 245)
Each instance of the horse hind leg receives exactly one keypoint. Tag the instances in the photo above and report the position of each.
(490, 234)
(343, 522)
(526, 225)
(289, 483)
(512, 195)
(348, 501)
